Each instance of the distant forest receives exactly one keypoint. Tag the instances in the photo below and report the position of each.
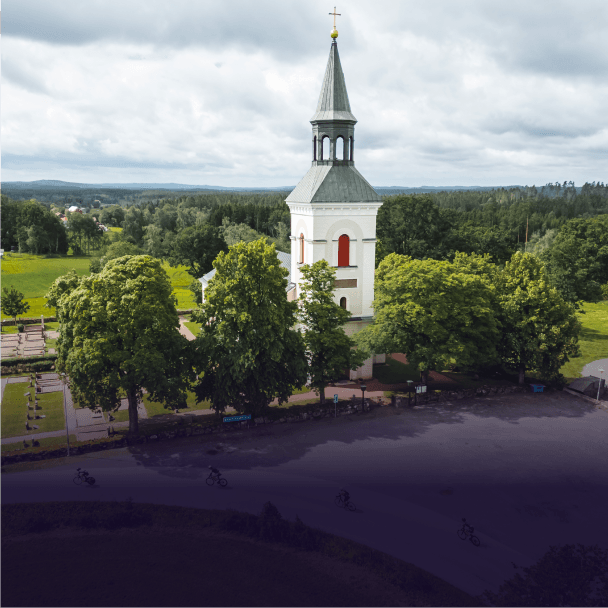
(560, 221)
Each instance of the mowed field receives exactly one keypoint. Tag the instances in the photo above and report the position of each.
(34, 274)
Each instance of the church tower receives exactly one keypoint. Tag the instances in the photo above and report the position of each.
(333, 208)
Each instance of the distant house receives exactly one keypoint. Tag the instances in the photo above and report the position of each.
(74, 209)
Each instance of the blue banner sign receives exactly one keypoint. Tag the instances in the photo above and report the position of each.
(335, 398)
(237, 418)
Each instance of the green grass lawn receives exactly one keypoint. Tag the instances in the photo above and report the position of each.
(193, 327)
(395, 372)
(45, 442)
(114, 229)
(14, 411)
(32, 275)
(158, 409)
(593, 339)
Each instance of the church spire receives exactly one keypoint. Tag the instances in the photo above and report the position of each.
(333, 101)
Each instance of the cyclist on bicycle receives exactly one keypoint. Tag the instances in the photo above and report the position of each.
(81, 472)
(215, 472)
(344, 495)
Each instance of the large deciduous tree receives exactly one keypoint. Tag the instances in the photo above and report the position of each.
(120, 335)
(540, 329)
(12, 303)
(577, 261)
(328, 349)
(434, 312)
(196, 247)
(411, 225)
(248, 352)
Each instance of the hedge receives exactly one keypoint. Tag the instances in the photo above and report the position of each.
(27, 360)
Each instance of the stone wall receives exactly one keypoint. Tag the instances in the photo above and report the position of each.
(433, 397)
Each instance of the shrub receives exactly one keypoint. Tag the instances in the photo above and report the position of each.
(604, 289)
(42, 366)
(20, 327)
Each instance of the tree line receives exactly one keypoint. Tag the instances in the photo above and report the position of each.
(119, 328)
(563, 224)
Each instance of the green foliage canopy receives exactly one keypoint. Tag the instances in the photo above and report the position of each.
(540, 329)
(434, 311)
(328, 349)
(247, 353)
(119, 333)
(197, 247)
(12, 303)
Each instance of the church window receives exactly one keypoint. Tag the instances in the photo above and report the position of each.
(350, 148)
(301, 248)
(314, 148)
(343, 250)
(343, 303)
(340, 148)
(325, 148)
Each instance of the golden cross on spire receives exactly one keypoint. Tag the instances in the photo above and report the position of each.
(334, 14)
(334, 32)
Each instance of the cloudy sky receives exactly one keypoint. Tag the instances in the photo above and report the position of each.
(474, 92)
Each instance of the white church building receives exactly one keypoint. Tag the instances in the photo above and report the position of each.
(333, 211)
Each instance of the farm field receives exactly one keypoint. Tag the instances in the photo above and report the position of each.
(34, 274)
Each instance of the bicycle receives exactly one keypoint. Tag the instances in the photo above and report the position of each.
(340, 502)
(467, 532)
(83, 476)
(213, 478)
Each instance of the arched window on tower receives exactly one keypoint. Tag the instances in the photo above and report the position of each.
(314, 148)
(343, 250)
(340, 148)
(325, 148)
(350, 148)
(343, 303)
(301, 248)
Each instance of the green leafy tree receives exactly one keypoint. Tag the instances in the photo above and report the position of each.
(119, 249)
(196, 247)
(481, 240)
(237, 233)
(61, 286)
(12, 303)
(133, 226)
(247, 352)
(120, 335)
(569, 575)
(540, 329)
(577, 262)
(433, 311)
(197, 291)
(412, 225)
(328, 349)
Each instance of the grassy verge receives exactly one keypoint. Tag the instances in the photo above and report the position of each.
(14, 411)
(331, 570)
(193, 327)
(395, 372)
(44, 442)
(593, 339)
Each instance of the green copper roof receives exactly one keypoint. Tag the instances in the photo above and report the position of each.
(333, 184)
(333, 101)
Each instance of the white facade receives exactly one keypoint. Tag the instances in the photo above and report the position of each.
(322, 224)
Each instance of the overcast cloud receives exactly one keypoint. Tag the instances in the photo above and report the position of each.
(221, 93)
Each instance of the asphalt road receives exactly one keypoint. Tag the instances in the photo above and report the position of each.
(527, 471)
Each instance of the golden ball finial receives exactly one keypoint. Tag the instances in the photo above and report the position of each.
(334, 33)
